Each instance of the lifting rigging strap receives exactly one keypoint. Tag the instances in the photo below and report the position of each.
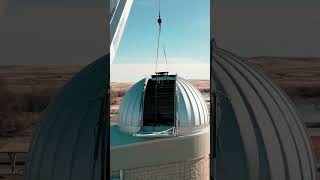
(159, 36)
(159, 23)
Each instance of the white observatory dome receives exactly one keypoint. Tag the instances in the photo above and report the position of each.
(259, 134)
(64, 144)
(187, 105)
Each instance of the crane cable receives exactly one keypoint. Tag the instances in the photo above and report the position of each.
(159, 36)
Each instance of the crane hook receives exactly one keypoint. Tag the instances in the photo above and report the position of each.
(159, 21)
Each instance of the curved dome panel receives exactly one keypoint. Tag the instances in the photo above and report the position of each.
(192, 113)
(130, 111)
(63, 145)
(192, 109)
(260, 133)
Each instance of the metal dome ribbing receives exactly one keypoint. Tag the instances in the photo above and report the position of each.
(260, 135)
(192, 111)
(64, 143)
(130, 111)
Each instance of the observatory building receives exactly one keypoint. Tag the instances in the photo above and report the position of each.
(256, 132)
(162, 131)
(163, 102)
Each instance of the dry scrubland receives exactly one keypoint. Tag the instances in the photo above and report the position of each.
(25, 91)
(299, 77)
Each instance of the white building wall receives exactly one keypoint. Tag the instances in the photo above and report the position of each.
(197, 169)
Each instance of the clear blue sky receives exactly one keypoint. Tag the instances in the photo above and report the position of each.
(186, 32)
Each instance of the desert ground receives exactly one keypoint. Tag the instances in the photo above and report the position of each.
(25, 91)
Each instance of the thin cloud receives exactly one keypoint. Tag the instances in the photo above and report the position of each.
(135, 72)
(170, 60)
